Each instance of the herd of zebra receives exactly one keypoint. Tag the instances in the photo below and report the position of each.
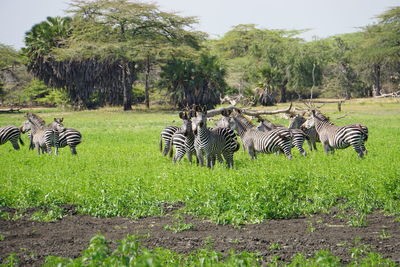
(41, 136)
(195, 138)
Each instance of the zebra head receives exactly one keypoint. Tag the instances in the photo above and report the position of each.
(26, 126)
(200, 121)
(57, 125)
(296, 121)
(186, 122)
(224, 121)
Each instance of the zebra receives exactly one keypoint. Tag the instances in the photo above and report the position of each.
(211, 143)
(338, 137)
(183, 139)
(166, 136)
(12, 134)
(69, 137)
(296, 122)
(42, 137)
(255, 141)
(298, 136)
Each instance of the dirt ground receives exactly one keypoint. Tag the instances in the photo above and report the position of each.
(33, 241)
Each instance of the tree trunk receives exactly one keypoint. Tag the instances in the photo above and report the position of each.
(127, 100)
(146, 88)
(376, 87)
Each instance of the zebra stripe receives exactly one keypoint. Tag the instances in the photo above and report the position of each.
(339, 137)
(312, 137)
(166, 136)
(255, 141)
(211, 143)
(298, 136)
(12, 134)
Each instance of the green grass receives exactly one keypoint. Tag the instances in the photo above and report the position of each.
(119, 171)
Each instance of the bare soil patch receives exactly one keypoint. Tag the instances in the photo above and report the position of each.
(32, 241)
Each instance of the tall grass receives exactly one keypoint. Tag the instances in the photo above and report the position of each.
(119, 171)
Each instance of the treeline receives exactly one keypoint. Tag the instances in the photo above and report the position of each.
(118, 52)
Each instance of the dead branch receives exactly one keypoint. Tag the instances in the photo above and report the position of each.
(394, 94)
(248, 112)
(11, 110)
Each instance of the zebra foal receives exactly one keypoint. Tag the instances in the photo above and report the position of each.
(12, 134)
(183, 139)
(338, 137)
(296, 122)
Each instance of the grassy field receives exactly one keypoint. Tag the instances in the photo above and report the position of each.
(119, 171)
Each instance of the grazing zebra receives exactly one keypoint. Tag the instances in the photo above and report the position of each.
(183, 139)
(338, 137)
(42, 137)
(69, 137)
(296, 122)
(166, 136)
(12, 134)
(255, 140)
(211, 143)
(298, 136)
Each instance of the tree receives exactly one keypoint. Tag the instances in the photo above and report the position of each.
(106, 48)
(196, 80)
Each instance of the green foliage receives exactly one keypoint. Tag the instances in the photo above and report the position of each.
(130, 253)
(178, 225)
(9, 57)
(194, 81)
(54, 214)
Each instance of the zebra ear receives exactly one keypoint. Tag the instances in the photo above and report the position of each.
(62, 119)
(228, 112)
(181, 115)
(313, 112)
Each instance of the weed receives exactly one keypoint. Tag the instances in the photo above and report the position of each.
(310, 227)
(2, 237)
(275, 246)
(384, 234)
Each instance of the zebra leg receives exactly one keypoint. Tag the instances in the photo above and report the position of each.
(310, 145)
(220, 159)
(358, 148)
(314, 145)
(15, 144)
(299, 146)
(229, 159)
(326, 148)
(363, 149)
(189, 156)
(167, 148)
(73, 150)
(200, 158)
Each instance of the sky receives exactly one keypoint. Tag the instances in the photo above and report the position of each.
(323, 18)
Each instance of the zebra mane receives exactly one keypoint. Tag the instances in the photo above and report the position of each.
(36, 119)
(244, 121)
(321, 116)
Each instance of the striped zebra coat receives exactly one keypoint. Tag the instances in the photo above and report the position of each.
(12, 134)
(42, 137)
(166, 137)
(255, 141)
(211, 143)
(298, 136)
(68, 137)
(338, 137)
(312, 137)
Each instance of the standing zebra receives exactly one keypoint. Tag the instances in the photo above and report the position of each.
(338, 137)
(69, 137)
(255, 140)
(298, 136)
(12, 134)
(211, 143)
(183, 139)
(42, 137)
(296, 122)
(166, 136)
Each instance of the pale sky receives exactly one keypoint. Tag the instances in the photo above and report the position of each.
(323, 17)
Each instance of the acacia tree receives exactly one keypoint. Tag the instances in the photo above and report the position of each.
(102, 55)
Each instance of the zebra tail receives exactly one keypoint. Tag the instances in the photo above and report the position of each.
(21, 142)
(365, 133)
(171, 149)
